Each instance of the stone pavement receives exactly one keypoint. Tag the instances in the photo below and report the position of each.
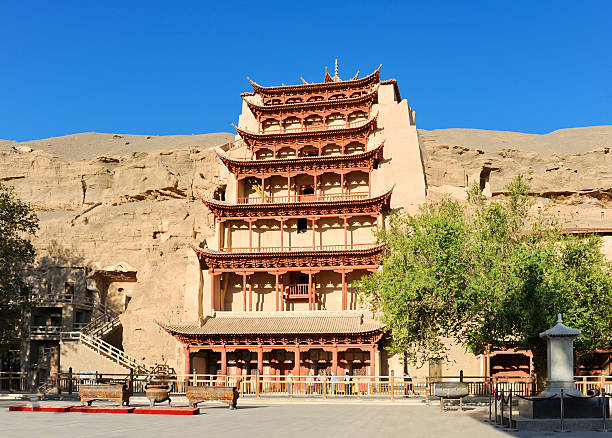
(265, 418)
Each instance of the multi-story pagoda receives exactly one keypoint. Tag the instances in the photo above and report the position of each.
(296, 228)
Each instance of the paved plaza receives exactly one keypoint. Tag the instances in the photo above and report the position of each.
(266, 418)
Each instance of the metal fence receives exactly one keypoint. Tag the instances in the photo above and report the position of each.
(261, 385)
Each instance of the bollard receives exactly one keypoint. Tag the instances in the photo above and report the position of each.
(495, 401)
(562, 414)
(501, 409)
(257, 383)
(70, 380)
(603, 409)
(490, 407)
(510, 413)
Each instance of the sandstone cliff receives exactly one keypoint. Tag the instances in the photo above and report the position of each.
(106, 199)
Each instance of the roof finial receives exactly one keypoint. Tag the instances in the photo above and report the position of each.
(559, 319)
(336, 68)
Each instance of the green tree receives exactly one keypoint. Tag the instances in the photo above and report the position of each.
(17, 224)
(487, 275)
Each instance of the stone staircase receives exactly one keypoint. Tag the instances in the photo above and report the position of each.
(105, 349)
(92, 336)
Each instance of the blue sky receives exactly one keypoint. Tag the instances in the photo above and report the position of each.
(179, 67)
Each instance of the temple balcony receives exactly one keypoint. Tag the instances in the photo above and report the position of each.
(276, 249)
(331, 197)
(305, 205)
(300, 132)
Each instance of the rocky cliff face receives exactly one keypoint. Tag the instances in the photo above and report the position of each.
(141, 210)
(105, 200)
(570, 173)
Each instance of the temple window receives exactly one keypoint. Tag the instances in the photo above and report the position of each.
(292, 123)
(357, 116)
(313, 120)
(315, 98)
(269, 125)
(302, 225)
(294, 100)
(337, 96)
(309, 151)
(336, 119)
(355, 94)
(219, 193)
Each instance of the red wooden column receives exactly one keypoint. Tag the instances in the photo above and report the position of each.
(277, 293)
(260, 359)
(187, 360)
(345, 231)
(369, 184)
(282, 237)
(250, 234)
(250, 294)
(244, 300)
(310, 292)
(314, 221)
(335, 360)
(282, 290)
(316, 192)
(373, 360)
(344, 290)
(212, 290)
(219, 234)
(289, 188)
(342, 184)
(296, 361)
(263, 188)
(223, 361)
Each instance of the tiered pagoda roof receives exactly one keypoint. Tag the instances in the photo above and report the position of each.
(240, 328)
(279, 139)
(244, 168)
(366, 257)
(364, 101)
(329, 86)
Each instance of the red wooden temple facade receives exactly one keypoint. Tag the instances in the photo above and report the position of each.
(295, 229)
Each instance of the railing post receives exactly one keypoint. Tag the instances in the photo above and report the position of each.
(70, 380)
(392, 385)
(324, 382)
(10, 382)
(257, 394)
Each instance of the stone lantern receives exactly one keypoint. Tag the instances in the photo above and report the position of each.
(560, 359)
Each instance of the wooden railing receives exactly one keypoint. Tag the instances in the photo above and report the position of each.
(297, 291)
(299, 248)
(11, 381)
(321, 197)
(45, 330)
(315, 128)
(64, 299)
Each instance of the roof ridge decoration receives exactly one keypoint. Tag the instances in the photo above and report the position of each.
(374, 76)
